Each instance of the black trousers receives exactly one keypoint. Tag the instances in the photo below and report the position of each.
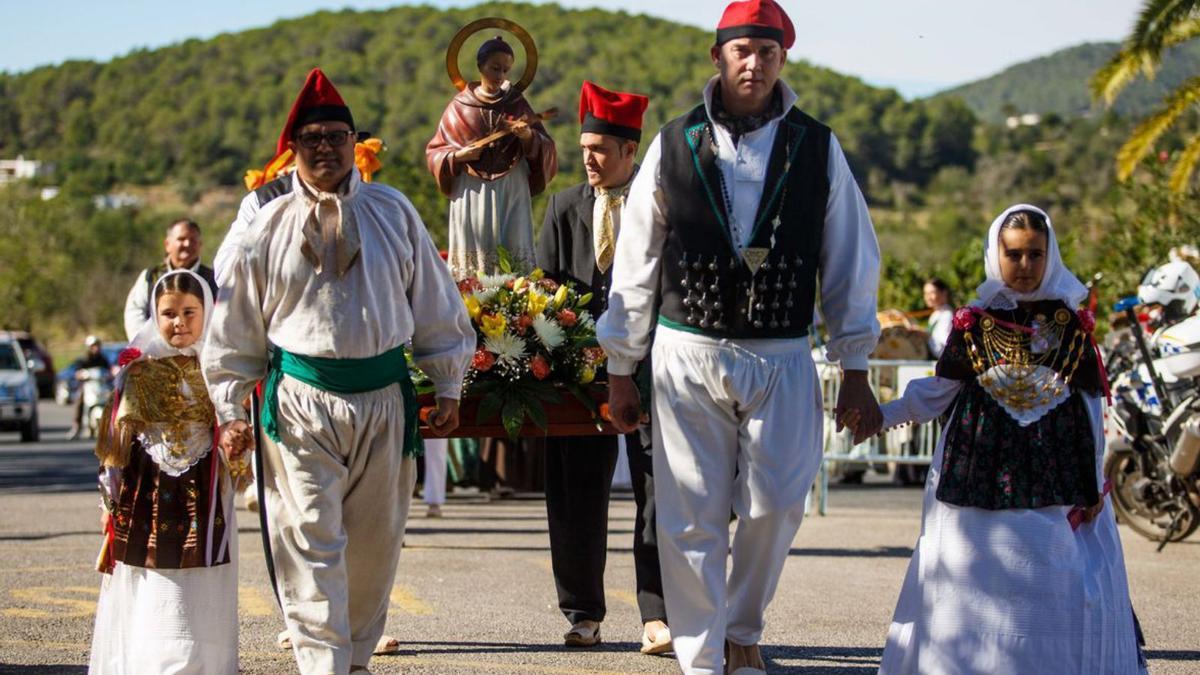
(579, 474)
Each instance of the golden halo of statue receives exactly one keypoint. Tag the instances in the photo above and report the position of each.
(531, 54)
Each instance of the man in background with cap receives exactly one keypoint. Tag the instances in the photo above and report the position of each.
(741, 206)
(577, 244)
(328, 284)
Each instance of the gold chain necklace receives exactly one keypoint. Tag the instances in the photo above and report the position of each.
(1016, 364)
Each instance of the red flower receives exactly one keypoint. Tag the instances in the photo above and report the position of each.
(469, 285)
(594, 355)
(483, 361)
(964, 318)
(567, 318)
(128, 355)
(541, 369)
(1087, 320)
(522, 324)
(548, 284)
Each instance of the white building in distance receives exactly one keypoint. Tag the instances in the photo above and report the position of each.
(22, 169)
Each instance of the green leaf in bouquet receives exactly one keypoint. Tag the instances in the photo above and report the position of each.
(505, 260)
(583, 301)
(489, 408)
(537, 413)
(545, 394)
(581, 393)
(512, 417)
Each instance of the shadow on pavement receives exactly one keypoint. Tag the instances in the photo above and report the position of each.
(1172, 655)
(839, 659)
(880, 552)
(44, 470)
(420, 647)
(42, 670)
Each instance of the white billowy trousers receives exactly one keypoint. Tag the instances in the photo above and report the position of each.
(434, 489)
(737, 426)
(337, 491)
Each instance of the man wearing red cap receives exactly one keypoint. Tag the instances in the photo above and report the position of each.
(577, 244)
(326, 286)
(741, 205)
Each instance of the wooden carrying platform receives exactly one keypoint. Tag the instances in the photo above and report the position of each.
(568, 417)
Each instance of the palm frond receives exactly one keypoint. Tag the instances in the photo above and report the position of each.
(1114, 76)
(1160, 25)
(1143, 138)
(1156, 21)
(1185, 166)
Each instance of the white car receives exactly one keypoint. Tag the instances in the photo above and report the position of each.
(18, 392)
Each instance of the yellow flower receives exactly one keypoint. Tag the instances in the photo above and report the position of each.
(537, 303)
(493, 325)
(587, 375)
(537, 275)
(560, 297)
(519, 284)
(473, 307)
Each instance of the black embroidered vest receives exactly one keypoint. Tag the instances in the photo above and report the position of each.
(706, 285)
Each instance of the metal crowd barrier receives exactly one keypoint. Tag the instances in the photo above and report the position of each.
(913, 444)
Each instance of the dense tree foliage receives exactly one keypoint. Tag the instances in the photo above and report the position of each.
(198, 114)
(179, 126)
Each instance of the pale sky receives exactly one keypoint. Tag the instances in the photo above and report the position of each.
(916, 46)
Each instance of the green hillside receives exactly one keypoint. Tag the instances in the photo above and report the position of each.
(1057, 84)
(198, 114)
(177, 127)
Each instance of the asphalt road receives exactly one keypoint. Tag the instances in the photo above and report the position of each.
(474, 593)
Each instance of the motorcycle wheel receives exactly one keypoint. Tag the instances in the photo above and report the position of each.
(1149, 521)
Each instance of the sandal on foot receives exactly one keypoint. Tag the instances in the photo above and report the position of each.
(585, 633)
(660, 644)
(387, 646)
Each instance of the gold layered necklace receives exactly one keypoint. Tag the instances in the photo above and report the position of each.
(1016, 363)
(155, 394)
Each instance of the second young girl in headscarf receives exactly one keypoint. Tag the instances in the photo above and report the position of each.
(1019, 567)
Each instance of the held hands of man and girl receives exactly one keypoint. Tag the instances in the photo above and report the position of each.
(856, 409)
(236, 438)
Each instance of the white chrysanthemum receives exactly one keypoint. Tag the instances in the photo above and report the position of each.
(486, 295)
(495, 280)
(507, 347)
(550, 333)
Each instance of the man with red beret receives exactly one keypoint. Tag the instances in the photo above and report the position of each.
(328, 283)
(741, 206)
(577, 244)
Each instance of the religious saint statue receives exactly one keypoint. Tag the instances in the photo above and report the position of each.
(490, 155)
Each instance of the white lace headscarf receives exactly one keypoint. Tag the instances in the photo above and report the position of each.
(1057, 281)
(149, 340)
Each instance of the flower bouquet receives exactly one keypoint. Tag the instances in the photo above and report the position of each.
(536, 357)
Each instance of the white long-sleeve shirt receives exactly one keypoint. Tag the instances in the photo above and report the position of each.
(849, 267)
(227, 251)
(398, 290)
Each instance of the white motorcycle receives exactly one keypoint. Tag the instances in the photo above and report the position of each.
(96, 388)
(1153, 427)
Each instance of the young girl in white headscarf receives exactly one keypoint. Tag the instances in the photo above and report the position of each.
(1019, 567)
(168, 600)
